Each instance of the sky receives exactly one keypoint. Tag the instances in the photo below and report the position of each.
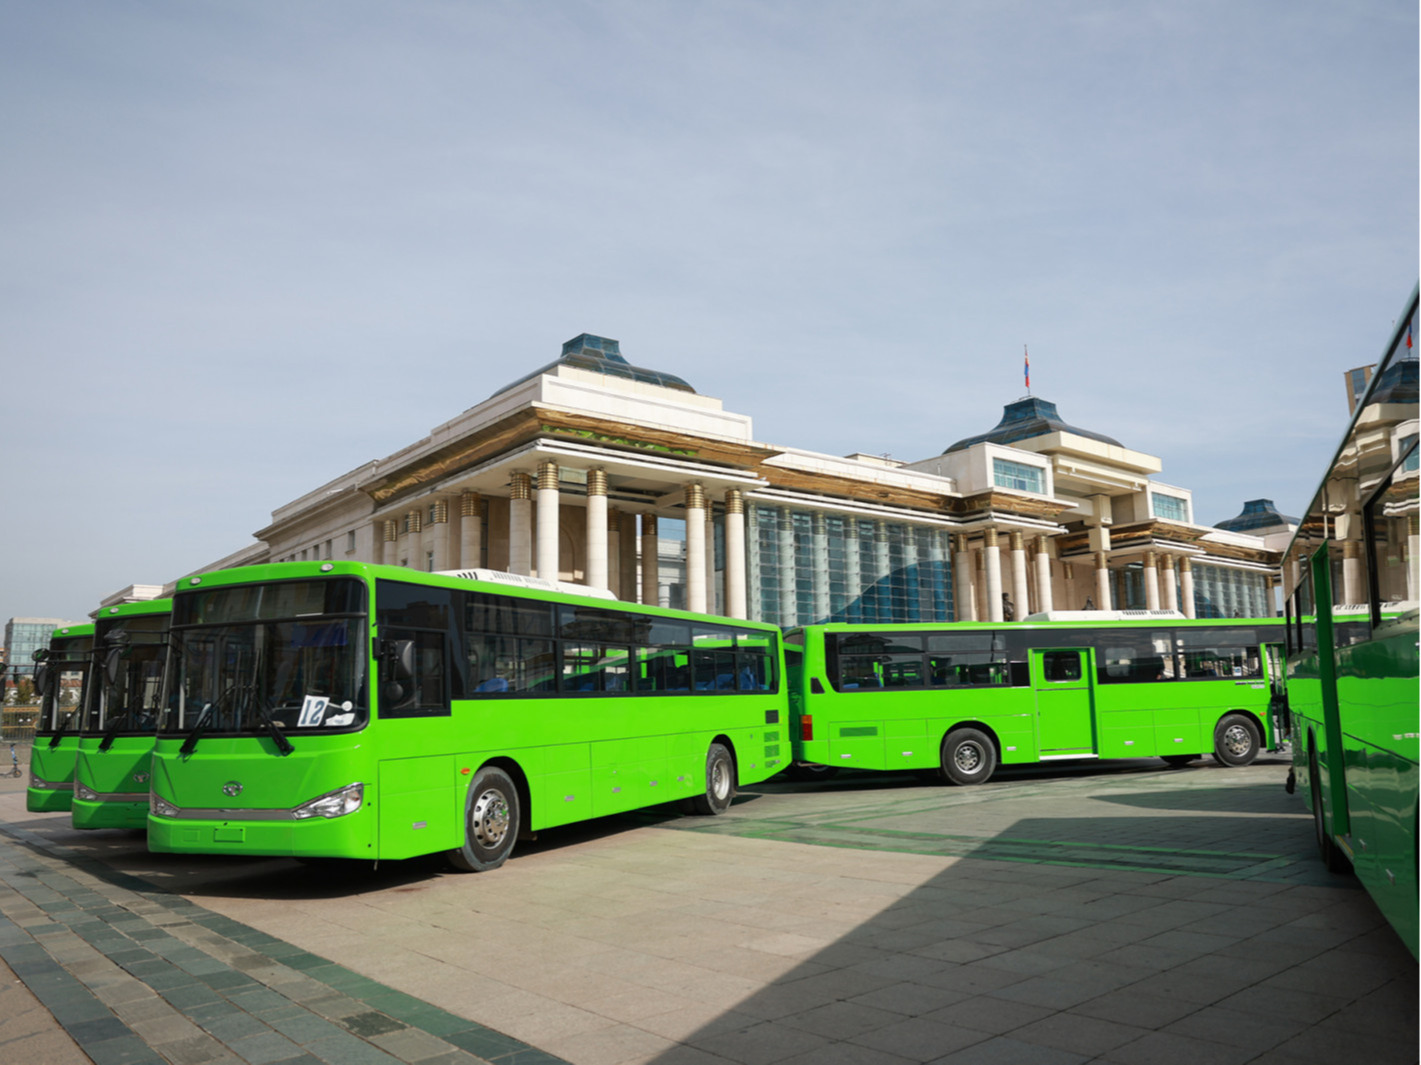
(249, 246)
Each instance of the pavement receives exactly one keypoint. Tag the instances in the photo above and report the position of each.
(1119, 913)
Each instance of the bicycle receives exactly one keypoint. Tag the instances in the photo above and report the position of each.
(14, 770)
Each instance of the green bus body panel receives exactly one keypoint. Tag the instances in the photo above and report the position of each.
(892, 729)
(579, 756)
(54, 765)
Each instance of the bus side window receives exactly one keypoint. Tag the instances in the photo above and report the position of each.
(413, 674)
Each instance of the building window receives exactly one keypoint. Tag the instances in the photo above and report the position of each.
(1170, 508)
(1018, 475)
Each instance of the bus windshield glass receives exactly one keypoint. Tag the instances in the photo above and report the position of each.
(62, 683)
(126, 695)
(291, 654)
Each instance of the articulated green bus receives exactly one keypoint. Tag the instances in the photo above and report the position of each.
(347, 710)
(960, 699)
(120, 718)
(62, 680)
(1353, 689)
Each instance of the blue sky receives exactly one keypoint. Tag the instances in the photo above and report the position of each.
(250, 246)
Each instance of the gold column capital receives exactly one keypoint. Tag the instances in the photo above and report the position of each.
(695, 496)
(648, 524)
(597, 482)
(521, 486)
(470, 504)
(547, 475)
(734, 501)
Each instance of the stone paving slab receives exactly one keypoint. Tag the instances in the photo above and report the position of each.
(1127, 916)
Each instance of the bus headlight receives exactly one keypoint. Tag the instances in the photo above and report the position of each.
(337, 803)
(88, 794)
(161, 806)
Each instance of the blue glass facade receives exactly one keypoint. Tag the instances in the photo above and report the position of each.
(806, 567)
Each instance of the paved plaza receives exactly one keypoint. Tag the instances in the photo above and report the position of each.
(1127, 914)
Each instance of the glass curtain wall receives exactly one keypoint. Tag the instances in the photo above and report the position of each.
(806, 567)
(1220, 592)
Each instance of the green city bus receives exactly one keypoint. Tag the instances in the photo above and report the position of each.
(1353, 689)
(120, 718)
(959, 699)
(62, 681)
(347, 710)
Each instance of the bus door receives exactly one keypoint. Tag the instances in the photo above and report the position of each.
(1065, 710)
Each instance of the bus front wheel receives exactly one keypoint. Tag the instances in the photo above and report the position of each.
(968, 756)
(1236, 740)
(491, 822)
(720, 782)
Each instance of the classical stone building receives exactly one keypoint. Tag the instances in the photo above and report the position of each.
(589, 465)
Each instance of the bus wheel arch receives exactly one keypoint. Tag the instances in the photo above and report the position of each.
(1238, 737)
(721, 777)
(969, 753)
(495, 806)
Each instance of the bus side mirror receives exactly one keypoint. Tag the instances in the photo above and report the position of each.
(396, 670)
(41, 678)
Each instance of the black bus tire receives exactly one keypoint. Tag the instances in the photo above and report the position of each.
(720, 782)
(1236, 740)
(968, 756)
(491, 822)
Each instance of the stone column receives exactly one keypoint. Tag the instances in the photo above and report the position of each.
(439, 533)
(696, 548)
(789, 596)
(520, 525)
(614, 551)
(1353, 584)
(1020, 593)
(650, 562)
(628, 546)
(820, 549)
(471, 530)
(1151, 581)
(964, 581)
(1186, 586)
(414, 541)
(736, 603)
(1045, 599)
(711, 606)
(547, 557)
(1171, 585)
(1102, 582)
(993, 559)
(389, 542)
(1413, 557)
(597, 576)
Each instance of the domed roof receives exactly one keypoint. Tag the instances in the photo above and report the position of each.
(1027, 418)
(602, 355)
(1257, 514)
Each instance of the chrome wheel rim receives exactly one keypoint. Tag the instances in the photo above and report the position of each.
(489, 819)
(720, 780)
(1237, 740)
(967, 757)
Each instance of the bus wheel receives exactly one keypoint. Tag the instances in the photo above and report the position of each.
(1331, 854)
(968, 756)
(1178, 761)
(1236, 740)
(720, 782)
(491, 818)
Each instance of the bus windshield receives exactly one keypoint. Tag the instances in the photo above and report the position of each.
(61, 680)
(242, 667)
(125, 696)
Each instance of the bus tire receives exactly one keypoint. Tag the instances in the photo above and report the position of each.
(720, 782)
(1178, 761)
(968, 756)
(1236, 740)
(1327, 849)
(491, 822)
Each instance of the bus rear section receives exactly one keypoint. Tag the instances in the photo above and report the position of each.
(361, 711)
(961, 699)
(61, 678)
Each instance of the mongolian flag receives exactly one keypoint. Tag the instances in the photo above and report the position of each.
(1026, 365)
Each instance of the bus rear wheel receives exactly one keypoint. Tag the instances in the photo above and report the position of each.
(491, 822)
(1236, 740)
(968, 756)
(720, 782)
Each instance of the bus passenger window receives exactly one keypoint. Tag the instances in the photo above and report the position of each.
(1061, 667)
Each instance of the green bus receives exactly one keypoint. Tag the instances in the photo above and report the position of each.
(347, 710)
(1353, 688)
(62, 681)
(120, 717)
(956, 700)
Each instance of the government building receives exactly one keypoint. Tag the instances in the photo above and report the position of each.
(595, 471)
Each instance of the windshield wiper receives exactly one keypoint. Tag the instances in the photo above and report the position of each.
(60, 729)
(283, 745)
(190, 744)
(112, 730)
